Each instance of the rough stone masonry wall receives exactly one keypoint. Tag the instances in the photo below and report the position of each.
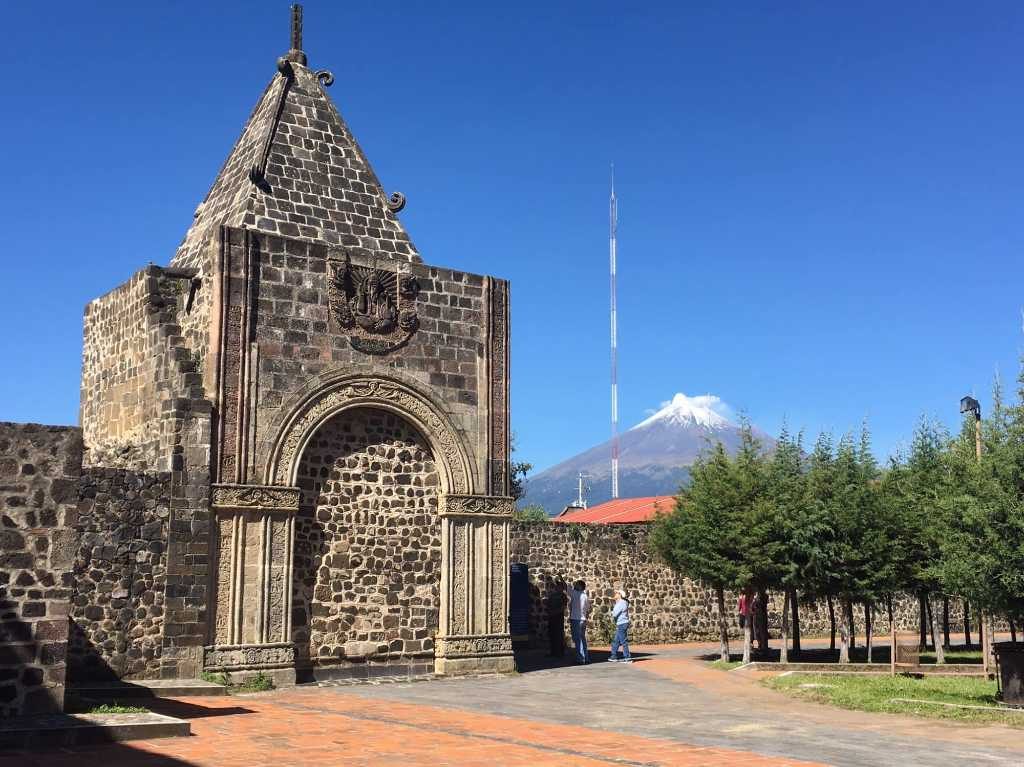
(39, 472)
(298, 338)
(136, 365)
(120, 409)
(120, 572)
(664, 606)
(368, 548)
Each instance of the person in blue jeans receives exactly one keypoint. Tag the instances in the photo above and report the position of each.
(579, 613)
(620, 614)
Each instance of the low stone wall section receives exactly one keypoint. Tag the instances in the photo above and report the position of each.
(39, 473)
(120, 576)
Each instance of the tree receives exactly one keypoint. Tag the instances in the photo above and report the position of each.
(922, 493)
(759, 550)
(699, 537)
(517, 473)
(772, 543)
(531, 513)
(818, 532)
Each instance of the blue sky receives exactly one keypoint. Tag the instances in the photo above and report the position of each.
(819, 202)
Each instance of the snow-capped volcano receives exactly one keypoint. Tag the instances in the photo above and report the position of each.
(654, 455)
(703, 410)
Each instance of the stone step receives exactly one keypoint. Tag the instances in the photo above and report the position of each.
(149, 688)
(49, 731)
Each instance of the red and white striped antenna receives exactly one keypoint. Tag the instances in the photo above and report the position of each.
(613, 221)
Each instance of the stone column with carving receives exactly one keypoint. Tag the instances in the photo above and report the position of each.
(473, 634)
(254, 549)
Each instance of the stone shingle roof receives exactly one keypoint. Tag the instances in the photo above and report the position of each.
(296, 170)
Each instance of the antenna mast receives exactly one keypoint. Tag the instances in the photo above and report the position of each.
(613, 221)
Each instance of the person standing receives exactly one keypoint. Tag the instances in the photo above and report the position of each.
(579, 613)
(556, 618)
(620, 614)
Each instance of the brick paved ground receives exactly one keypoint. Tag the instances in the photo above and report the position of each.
(666, 709)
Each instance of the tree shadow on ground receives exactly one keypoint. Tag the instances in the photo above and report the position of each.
(880, 653)
(532, 659)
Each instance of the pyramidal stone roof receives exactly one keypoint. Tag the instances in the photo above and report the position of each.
(297, 171)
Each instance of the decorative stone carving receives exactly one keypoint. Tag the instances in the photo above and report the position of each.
(474, 610)
(474, 646)
(497, 384)
(242, 657)
(376, 307)
(379, 392)
(265, 497)
(478, 505)
(396, 202)
(255, 534)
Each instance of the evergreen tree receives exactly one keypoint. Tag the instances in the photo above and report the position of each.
(699, 538)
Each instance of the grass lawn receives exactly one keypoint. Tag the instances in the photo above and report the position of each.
(876, 693)
(726, 665)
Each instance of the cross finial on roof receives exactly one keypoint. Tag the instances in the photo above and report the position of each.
(296, 27)
(295, 50)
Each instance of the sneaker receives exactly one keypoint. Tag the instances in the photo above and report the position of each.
(613, 660)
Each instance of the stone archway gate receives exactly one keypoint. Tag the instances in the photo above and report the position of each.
(255, 540)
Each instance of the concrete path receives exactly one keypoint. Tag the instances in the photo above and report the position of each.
(665, 709)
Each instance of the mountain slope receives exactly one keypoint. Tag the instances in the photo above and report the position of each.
(653, 456)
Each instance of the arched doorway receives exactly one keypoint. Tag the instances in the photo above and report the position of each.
(367, 561)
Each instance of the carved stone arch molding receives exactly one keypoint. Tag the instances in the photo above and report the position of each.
(385, 393)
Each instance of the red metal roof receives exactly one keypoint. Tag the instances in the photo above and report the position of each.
(621, 510)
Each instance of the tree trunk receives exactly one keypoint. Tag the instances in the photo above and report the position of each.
(945, 623)
(723, 625)
(990, 640)
(853, 627)
(783, 650)
(933, 612)
(929, 616)
(844, 632)
(967, 624)
(762, 628)
(1013, 631)
(981, 639)
(831, 623)
(794, 605)
(867, 628)
(924, 622)
(892, 638)
(747, 630)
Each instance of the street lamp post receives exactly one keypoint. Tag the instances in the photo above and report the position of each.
(971, 405)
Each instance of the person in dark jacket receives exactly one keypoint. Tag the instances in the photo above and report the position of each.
(556, 601)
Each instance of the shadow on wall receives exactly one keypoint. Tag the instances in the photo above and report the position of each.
(86, 662)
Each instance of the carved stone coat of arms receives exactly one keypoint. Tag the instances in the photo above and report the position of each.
(376, 307)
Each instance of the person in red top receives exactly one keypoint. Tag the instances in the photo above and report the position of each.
(743, 608)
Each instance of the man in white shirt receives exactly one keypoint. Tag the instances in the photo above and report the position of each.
(579, 612)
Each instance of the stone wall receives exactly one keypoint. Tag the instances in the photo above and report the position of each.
(39, 471)
(664, 606)
(299, 337)
(138, 373)
(120, 571)
(368, 548)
